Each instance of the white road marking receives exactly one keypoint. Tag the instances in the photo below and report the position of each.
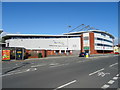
(102, 74)
(5, 75)
(65, 84)
(111, 82)
(117, 75)
(57, 65)
(33, 69)
(54, 64)
(20, 72)
(28, 70)
(105, 86)
(113, 64)
(96, 71)
(115, 78)
(38, 65)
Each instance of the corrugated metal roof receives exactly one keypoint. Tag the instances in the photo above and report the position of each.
(39, 35)
(81, 32)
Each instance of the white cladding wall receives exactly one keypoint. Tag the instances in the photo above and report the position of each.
(98, 35)
(51, 43)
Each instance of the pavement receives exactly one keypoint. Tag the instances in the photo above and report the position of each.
(62, 72)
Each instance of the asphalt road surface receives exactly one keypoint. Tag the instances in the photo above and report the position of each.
(62, 72)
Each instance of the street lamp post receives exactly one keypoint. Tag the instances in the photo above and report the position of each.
(71, 31)
(1, 56)
(1, 43)
(67, 40)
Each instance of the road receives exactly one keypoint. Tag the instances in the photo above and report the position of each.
(64, 72)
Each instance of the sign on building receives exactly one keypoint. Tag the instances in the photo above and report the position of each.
(5, 54)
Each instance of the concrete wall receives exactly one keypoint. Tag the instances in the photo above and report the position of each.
(47, 44)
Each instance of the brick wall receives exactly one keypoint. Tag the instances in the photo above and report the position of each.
(91, 36)
(82, 50)
(34, 53)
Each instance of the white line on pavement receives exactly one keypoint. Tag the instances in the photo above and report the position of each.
(19, 72)
(96, 71)
(38, 65)
(113, 64)
(35, 69)
(105, 86)
(58, 65)
(28, 70)
(115, 78)
(53, 63)
(111, 82)
(117, 75)
(65, 84)
(5, 75)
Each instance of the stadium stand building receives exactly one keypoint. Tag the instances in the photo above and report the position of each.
(91, 41)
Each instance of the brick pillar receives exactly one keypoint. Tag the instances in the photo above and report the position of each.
(82, 50)
(43, 53)
(91, 36)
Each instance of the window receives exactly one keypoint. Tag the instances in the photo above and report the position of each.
(104, 40)
(110, 37)
(103, 34)
(86, 38)
(104, 45)
(99, 39)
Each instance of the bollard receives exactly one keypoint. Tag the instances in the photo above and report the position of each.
(87, 55)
